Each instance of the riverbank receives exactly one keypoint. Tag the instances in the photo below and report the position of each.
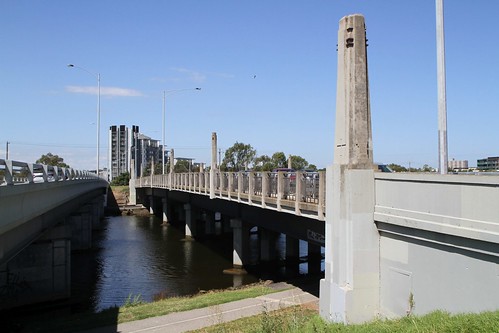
(133, 310)
(302, 319)
(260, 308)
(118, 203)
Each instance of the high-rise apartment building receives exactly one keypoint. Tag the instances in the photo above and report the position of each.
(144, 151)
(131, 149)
(118, 151)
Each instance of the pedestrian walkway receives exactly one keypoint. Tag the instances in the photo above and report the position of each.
(200, 318)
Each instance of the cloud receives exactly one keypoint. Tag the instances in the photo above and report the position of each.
(105, 91)
(193, 75)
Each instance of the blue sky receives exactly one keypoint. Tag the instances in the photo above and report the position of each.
(267, 70)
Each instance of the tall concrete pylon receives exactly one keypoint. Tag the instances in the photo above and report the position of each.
(214, 166)
(349, 292)
(353, 135)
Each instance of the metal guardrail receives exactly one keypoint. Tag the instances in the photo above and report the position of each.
(16, 173)
(302, 193)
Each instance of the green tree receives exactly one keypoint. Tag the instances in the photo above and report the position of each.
(158, 169)
(427, 168)
(121, 180)
(312, 167)
(279, 160)
(238, 157)
(54, 160)
(263, 163)
(181, 166)
(397, 168)
(298, 162)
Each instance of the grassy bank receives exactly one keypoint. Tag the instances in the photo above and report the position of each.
(134, 309)
(298, 319)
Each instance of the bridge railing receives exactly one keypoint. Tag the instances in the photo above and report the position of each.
(16, 172)
(298, 192)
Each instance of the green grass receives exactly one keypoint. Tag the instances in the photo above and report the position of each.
(134, 309)
(298, 320)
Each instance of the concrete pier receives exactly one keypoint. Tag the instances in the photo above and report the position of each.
(350, 290)
(268, 245)
(164, 212)
(81, 230)
(190, 222)
(41, 272)
(240, 246)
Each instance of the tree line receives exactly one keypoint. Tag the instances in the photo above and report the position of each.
(242, 157)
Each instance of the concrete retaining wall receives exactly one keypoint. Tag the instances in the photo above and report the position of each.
(439, 243)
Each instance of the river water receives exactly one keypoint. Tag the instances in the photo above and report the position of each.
(135, 257)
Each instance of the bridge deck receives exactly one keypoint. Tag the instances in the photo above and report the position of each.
(296, 193)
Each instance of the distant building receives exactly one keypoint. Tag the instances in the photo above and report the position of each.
(458, 165)
(145, 150)
(489, 163)
(131, 149)
(118, 151)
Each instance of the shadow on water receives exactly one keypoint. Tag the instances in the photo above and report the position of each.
(137, 257)
(58, 316)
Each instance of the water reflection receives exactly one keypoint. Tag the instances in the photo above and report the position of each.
(136, 255)
(139, 256)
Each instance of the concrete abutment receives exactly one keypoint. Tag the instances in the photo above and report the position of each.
(41, 271)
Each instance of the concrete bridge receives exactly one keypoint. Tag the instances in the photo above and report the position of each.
(275, 202)
(45, 212)
(395, 244)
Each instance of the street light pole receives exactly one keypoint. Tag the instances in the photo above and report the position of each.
(442, 99)
(163, 122)
(97, 75)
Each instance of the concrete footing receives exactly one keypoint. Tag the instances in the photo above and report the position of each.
(41, 272)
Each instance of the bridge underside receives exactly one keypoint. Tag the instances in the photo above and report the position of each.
(15, 240)
(299, 227)
(35, 262)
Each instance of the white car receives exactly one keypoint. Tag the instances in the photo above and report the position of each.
(38, 177)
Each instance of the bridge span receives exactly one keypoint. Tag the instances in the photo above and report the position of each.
(45, 211)
(275, 203)
(395, 244)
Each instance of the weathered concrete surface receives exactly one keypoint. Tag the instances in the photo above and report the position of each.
(39, 273)
(439, 244)
(350, 290)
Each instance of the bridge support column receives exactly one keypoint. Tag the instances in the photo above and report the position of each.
(151, 205)
(209, 223)
(39, 273)
(81, 231)
(349, 293)
(240, 246)
(90, 211)
(268, 245)
(132, 197)
(96, 211)
(218, 223)
(292, 249)
(190, 223)
(292, 256)
(314, 258)
(164, 201)
(226, 227)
